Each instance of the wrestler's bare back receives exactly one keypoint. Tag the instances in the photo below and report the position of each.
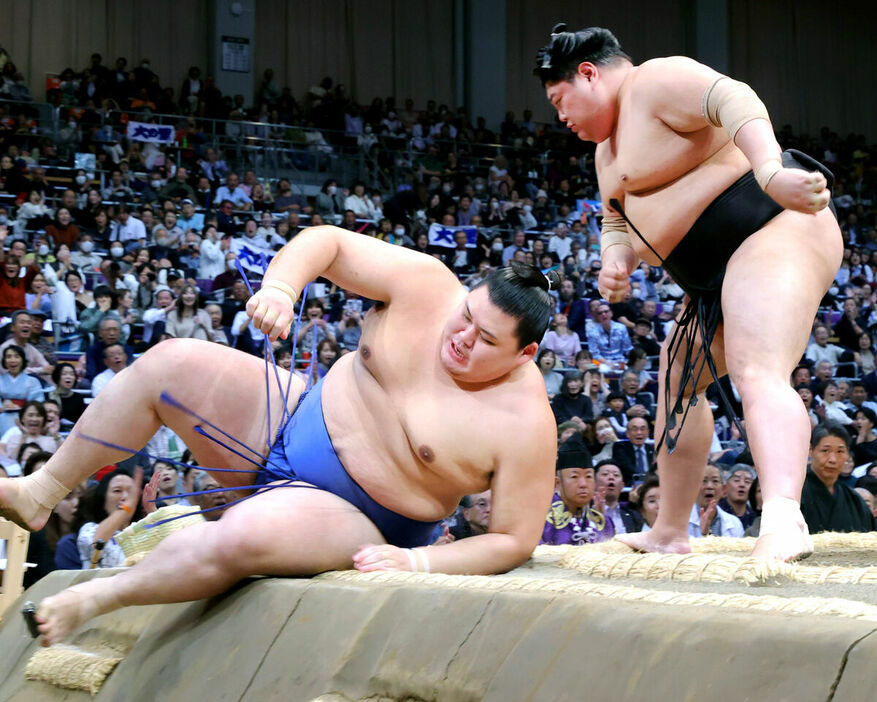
(404, 430)
(664, 178)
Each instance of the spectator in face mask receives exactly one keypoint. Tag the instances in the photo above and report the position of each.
(84, 257)
(330, 202)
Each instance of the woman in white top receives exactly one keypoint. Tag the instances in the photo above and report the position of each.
(360, 203)
(266, 228)
(186, 320)
(33, 208)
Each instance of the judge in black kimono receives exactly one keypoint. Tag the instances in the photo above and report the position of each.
(826, 503)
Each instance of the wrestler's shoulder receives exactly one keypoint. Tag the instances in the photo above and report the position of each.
(652, 77)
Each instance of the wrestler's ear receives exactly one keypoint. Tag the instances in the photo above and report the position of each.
(528, 353)
(587, 70)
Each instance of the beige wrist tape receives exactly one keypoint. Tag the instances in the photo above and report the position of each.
(282, 287)
(730, 104)
(766, 171)
(421, 553)
(614, 231)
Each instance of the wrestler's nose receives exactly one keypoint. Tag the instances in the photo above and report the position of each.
(467, 336)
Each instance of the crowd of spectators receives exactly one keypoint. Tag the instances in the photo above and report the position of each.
(99, 264)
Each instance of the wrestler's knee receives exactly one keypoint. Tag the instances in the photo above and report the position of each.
(167, 356)
(231, 548)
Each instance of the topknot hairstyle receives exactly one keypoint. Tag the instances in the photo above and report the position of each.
(559, 59)
(521, 291)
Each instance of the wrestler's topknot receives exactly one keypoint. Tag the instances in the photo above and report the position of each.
(521, 291)
(559, 59)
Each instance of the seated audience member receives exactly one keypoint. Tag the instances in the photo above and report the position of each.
(474, 516)
(315, 327)
(348, 331)
(155, 317)
(608, 340)
(851, 325)
(644, 337)
(571, 403)
(186, 320)
(736, 494)
(109, 332)
(868, 498)
(327, 354)
(571, 518)
(13, 288)
(61, 520)
(832, 407)
(635, 456)
(604, 438)
(865, 444)
(84, 257)
(283, 357)
(610, 482)
(648, 500)
(218, 333)
(826, 503)
(104, 307)
(572, 307)
(236, 302)
(636, 403)
(116, 360)
(614, 412)
(166, 484)
(104, 510)
(212, 504)
(858, 398)
(63, 230)
(32, 421)
(806, 394)
(755, 502)
(16, 387)
(546, 361)
(563, 341)
(707, 518)
(821, 350)
(167, 444)
(20, 335)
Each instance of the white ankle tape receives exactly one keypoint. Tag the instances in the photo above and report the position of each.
(780, 514)
(45, 489)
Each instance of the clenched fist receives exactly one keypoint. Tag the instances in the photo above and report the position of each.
(799, 190)
(272, 312)
(613, 282)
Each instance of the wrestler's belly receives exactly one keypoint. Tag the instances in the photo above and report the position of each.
(368, 436)
(664, 215)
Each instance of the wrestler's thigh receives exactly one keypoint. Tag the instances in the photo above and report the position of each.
(772, 290)
(295, 530)
(226, 387)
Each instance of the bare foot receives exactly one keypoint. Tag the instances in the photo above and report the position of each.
(790, 545)
(783, 533)
(22, 509)
(60, 614)
(655, 541)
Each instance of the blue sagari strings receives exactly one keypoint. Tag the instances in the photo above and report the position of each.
(268, 353)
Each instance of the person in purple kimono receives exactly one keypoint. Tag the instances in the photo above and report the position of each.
(572, 518)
